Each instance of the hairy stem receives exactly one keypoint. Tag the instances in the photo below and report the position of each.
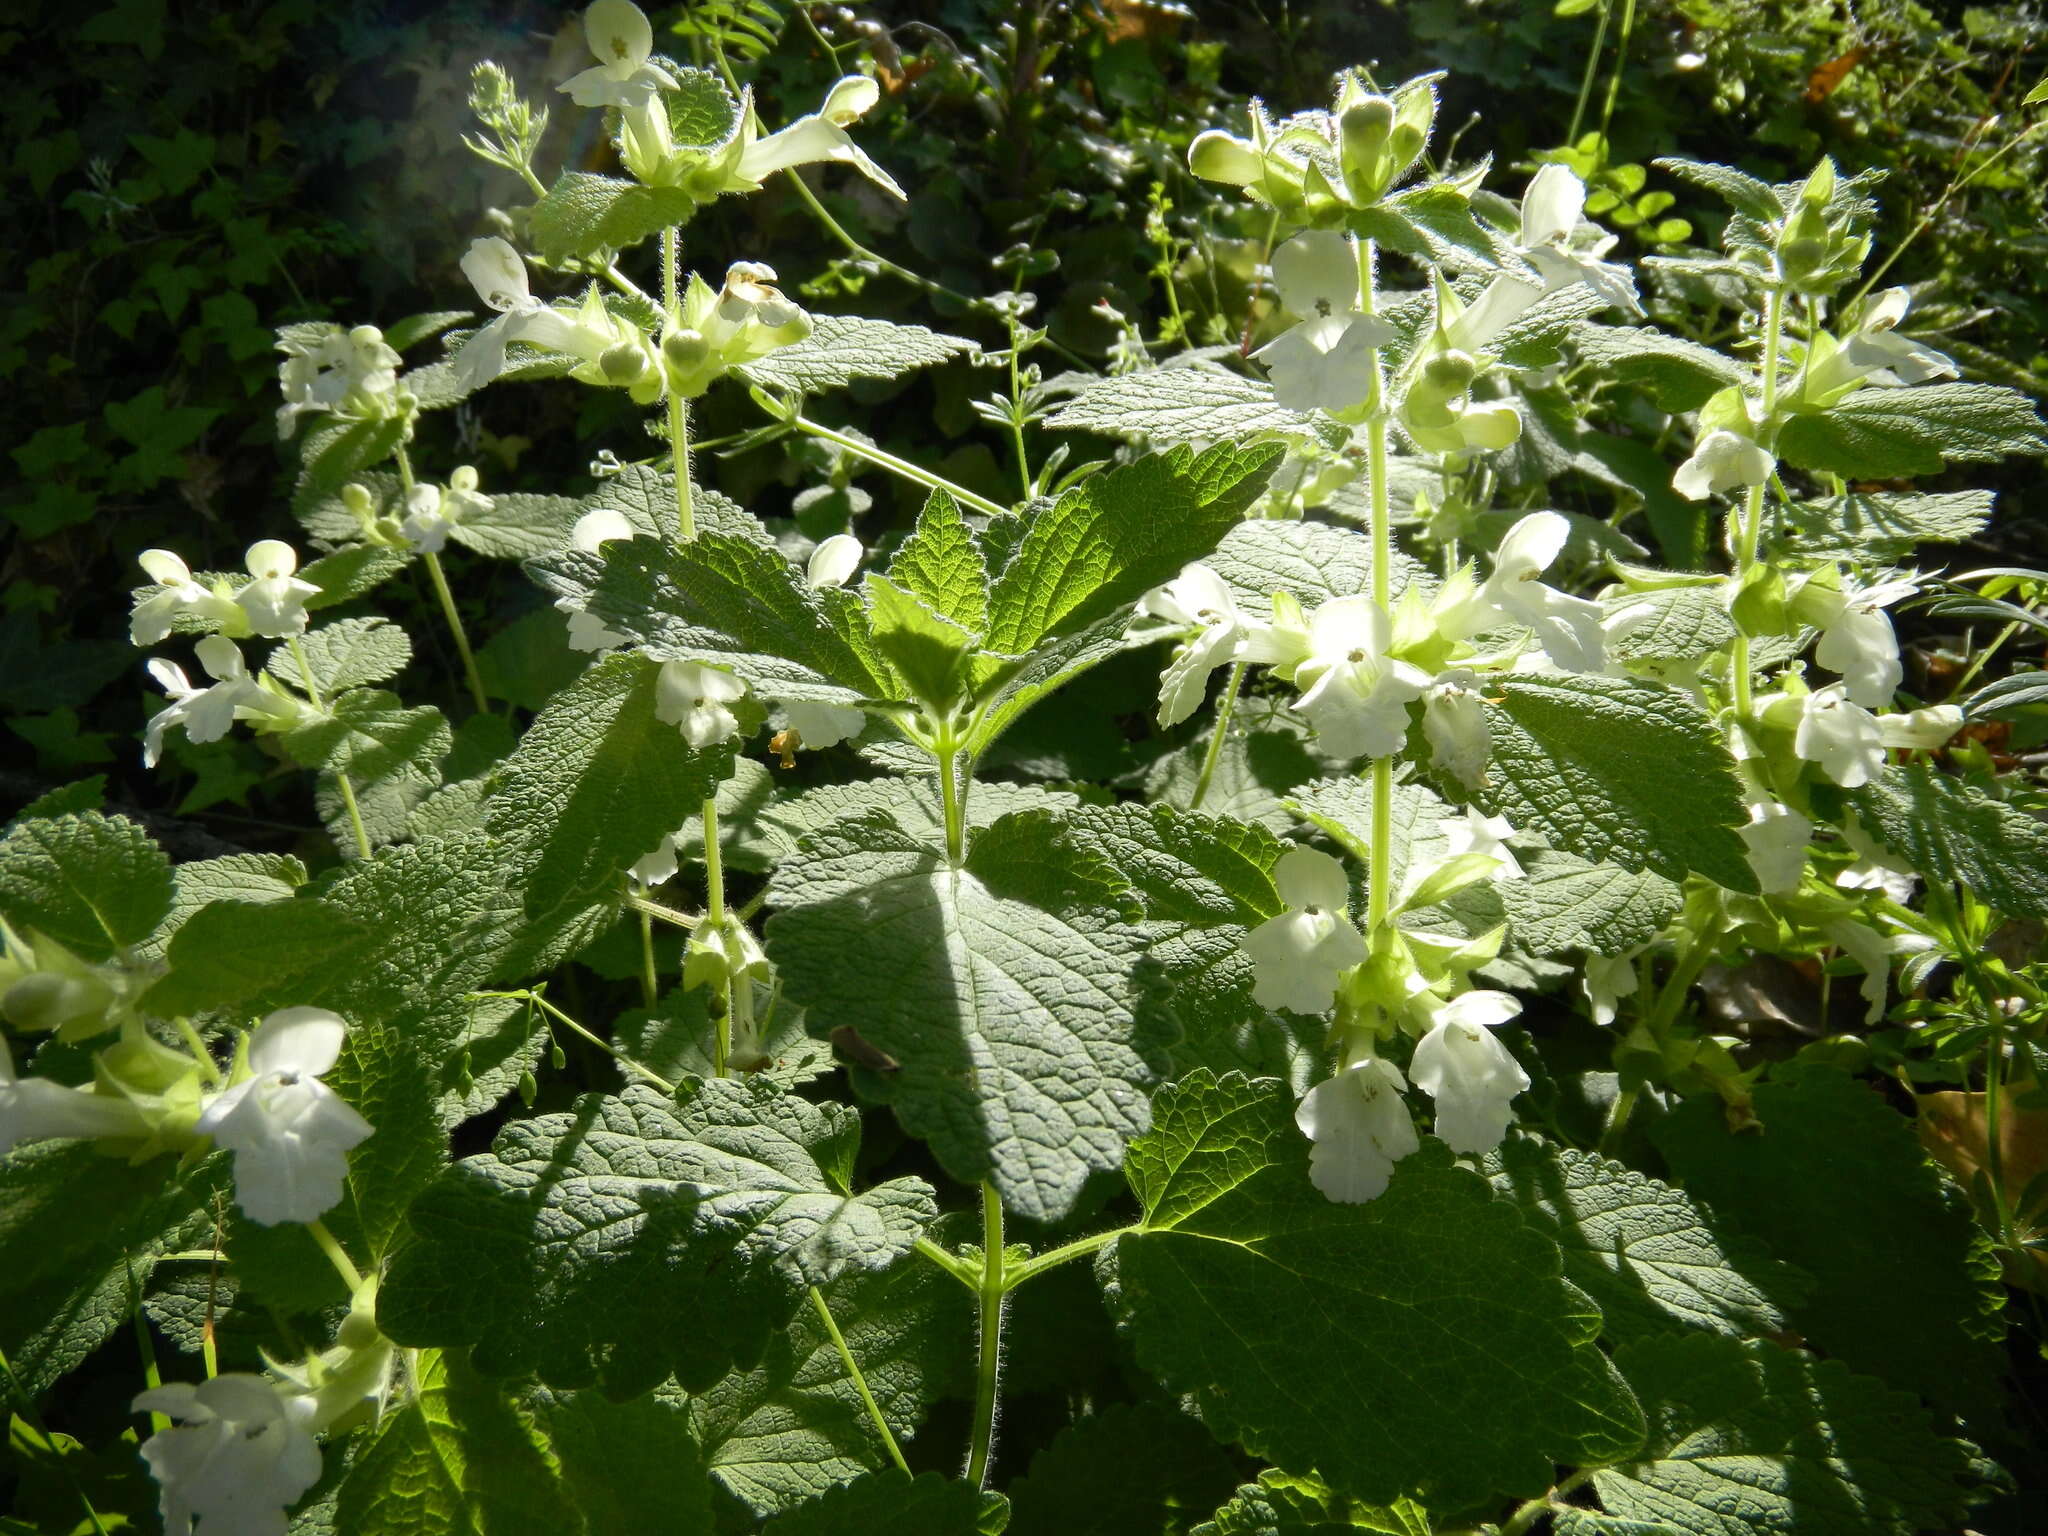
(900, 467)
(1080, 1248)
(1751, 531)
(990, 1308)
(439, 577)
(860, 1381)
(344, 1266)
(1225, 707)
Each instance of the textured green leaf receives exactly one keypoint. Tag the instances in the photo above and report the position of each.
(1178, 405)
(1618, 772)
(1051, 666)
(1022, 1057)
(349, 573)
(1677, 375)
(349, 653)
(1118, 534)
(1644, 1250)
(942, 563)
(1366, 1342)
(335, 453)
(82, 1233)
(1881, 525)
(1744, 193)
(733, 601)
(930, 1505)
(231, 877)
(96, 884)
(676, 1038)
(1564, 903)
(389, 1072)
(369, 735)
(1837, 1183)
(1954, 833)
(257, 955)
(1748, 1437)
(793, 1426)
(1313, 561)
(518, 525)
(583, 214)
(1129, 1467)
(596, 782)
(457, 1459)
(842, 348)
(577, 1241)
(632, 1469)
(1684, 624)
(414, 329)
(1279, 1505)
(1184, 867)
(1891, 434)
(930, 652)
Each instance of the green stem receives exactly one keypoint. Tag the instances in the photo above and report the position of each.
(1380, 856)
(336, 1255)
(954, 805)
(860, 1382)
(563, 1019)
(197, 1047)
(990, 1311)
(679, 435)
(1983, 655)
(355, 812)
(26, 1407)
(1698, 951)
(862, 253)
(650, 984)
(1592, 69)
(714, 917)
(659, 913)
(967, 1274)
(902, 467)
(1225, 707)
(448, 611)
(1753, 507)
(1628, 25)
(1618, 1113)
(1080, 1248)
(1016, 406)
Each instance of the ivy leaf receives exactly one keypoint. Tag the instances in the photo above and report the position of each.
(842, 348)
(1087, 1482)
(1881, 525)
(1280, 1505)
(1644, 1250)
(96, 884)
(1619, 772)
(1892, 434)
(1365, 1342)
(1954, 833)
(1178, 405)
(456, 1459)
(631, 1469)
(1677, 375)
(1748, 1437)
(349, 653)
(582, 214)
(793, 1426)
(1838, 1185)
(941, 563)
(596, 782)
(1021, 1055)
(573, 1245)
(1113, 537)
(930, 1505)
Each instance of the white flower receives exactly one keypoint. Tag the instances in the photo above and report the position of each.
(1360, 1128)
(622, 40)
(1326, 362)
(1198, 600)
(592, 532)
(32, 1108)
(692, 697)
(276, 600)
(1477, 832)
(1722, 461)
(1839, 735)
(1354, 694)
(154, 617)
(333, 370)
(1550, 216)
(290, 1132)
(833, 561)
(653, 868)
(1468, 1072)
(1875, 353)
(1776, 838)
(1454, 720)
(822, 725)
(1876, 868)
(1857, 639)
(1607, 980)
(206, 713)
(1920, 730)
(241, 1456)
(821, 136)
(1568, 628)
(1871, 950)
(587, 331)
(431, 512)
(1297, 956)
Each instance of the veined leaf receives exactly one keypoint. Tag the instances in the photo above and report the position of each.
(1178, 405)
(1892, 434)
(842, 348)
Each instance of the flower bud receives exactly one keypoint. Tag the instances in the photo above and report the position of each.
(1218, 156)
(48, 1000)
(1363, 129)
(1450, 373)
(622, 364)
(685, 349)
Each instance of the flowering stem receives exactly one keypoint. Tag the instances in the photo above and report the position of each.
(990, 1297)
(860, 1381)
(1380, 856)
(954, 805)
(449, 612)
(1016, 405)
(1753, 508)
(577, 1029)
(336, 1255)
(355, 812)
(896, 466)
(1225, 707)
(650, 985)
(714, 916)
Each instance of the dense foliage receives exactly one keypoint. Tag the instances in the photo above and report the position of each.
(1255, 813)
